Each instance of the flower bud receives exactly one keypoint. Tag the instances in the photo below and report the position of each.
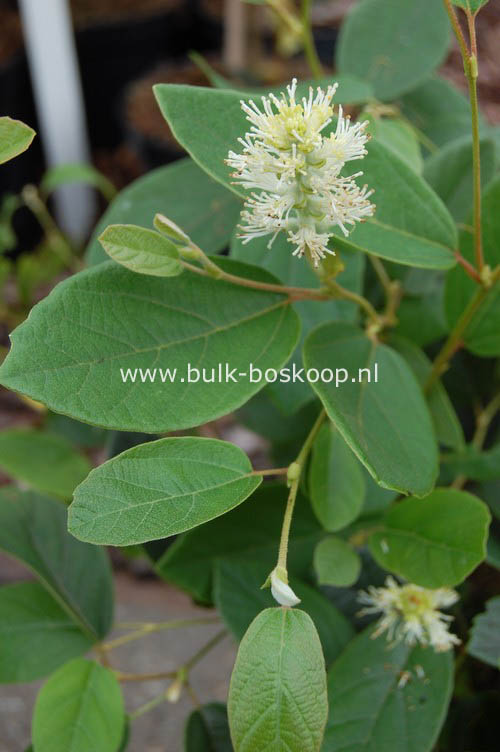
(282, 592)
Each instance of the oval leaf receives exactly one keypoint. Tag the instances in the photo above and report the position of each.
(159, 489)
(54, 467)
(33, 529)
(384, 698)
(446, 423)
(434, 542)
(484, 642)
(411, 225)
(439, 110)
(277, 696)
(207, 730)
(393, 46)
(64, 174)
(449, 172)
(182, 192)
(15, 137)
(36, 634)
(79, 708)
(398, 136)
(372, 417)
(141, 250)
(336, 481)
(336, 562)
(119, 354)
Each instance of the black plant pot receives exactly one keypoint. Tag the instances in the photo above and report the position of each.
(16, 101)
(146, 131)
(115, 53)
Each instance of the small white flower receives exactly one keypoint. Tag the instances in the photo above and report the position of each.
(410, 613)
(282, 592)
(297, 169)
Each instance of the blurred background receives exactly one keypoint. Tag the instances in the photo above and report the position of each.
(80, 72)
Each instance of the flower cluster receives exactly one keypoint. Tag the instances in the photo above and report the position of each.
(297, 171)
(410, 613)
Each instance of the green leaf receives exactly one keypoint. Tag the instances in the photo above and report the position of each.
(239, 597)
(252, 531)
(207, 729)
(277, 697)
(54, 466)
(142, 251)
(65, 174)
(262, 416)
(290, 397)
(490, 493)
(482, 336)
(411, 225)
(439, 110)
(397, 136)
(36, 634)
(449, 172)
(446, 423)
(493, 550)
(184, 107)
(421, 320)
(484, 642)
(393, 46)
(372, 417)
(80, 434)
(74, 350)
(377, 499)
(434, 542)
(77, 575)
(470, 5)
(180, 191)
(15, 137)
(336, 562)
(351, 89)
(160, 489)
(336, 482)
(376, 705)
(476, 465)
(79, 708)
(41, 267)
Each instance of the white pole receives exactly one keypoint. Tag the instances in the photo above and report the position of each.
(58, 94)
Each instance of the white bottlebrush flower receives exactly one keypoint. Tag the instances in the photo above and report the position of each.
(410, 613)
(282, 592)
(296, 168)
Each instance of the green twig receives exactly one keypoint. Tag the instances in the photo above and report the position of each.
(149, 628)
(308, 41)
(183, 670)
(55, 238)
(331, 289)
(454, 341)
(469, 58)
(483, 422)
(210, 269)
(298, 467)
